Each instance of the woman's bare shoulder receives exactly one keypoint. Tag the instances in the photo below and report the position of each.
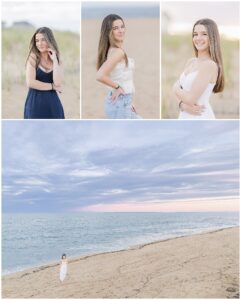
(116, 52)
(32, 59)
(190, 61)
(209, 65)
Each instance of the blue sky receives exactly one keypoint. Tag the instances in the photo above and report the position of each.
(56, 166)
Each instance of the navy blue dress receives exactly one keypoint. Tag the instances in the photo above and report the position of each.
(43, 104)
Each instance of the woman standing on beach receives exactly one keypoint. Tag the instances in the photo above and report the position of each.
(63, 268)
(44, 76)
(115, 69)
(202, 75)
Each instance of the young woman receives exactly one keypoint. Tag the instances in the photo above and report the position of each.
(115, 69)
(202, 74)
(63, 268)
(44, 76)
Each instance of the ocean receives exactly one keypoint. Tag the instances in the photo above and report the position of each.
(30, 240)
(98, 10)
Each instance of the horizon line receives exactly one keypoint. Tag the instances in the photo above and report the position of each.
(141, 212)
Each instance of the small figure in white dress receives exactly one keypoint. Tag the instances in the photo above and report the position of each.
(202, 75)
(63, 268)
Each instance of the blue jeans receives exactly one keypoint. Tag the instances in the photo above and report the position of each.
(120, 108)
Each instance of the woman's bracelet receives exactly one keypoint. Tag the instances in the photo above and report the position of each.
(179, 105)
(117, 87)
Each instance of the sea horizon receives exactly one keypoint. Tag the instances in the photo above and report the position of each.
(95, 10)
(35, 239)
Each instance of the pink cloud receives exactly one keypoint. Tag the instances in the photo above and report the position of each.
(223, 204)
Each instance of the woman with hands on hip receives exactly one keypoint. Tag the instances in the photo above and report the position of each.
(44, 77)
(115, 69)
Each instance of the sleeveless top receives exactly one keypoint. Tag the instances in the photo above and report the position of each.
(186, 81)
(123, 75)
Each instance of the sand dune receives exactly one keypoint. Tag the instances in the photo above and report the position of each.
(199, 266)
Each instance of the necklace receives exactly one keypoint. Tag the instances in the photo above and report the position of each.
(203, 58)
(46, 64)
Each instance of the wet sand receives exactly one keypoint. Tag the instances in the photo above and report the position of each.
(198, 266)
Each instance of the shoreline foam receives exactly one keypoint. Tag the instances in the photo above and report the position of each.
(131, 247)
(204, 265)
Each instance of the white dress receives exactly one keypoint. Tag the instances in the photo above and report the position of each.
(186, 83)
(63, 271)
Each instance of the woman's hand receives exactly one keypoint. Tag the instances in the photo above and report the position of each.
(52, 54)
(116, 94)
(133, 109)
(57, 88)
(193, 109)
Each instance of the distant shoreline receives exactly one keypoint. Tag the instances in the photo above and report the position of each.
(71, 259)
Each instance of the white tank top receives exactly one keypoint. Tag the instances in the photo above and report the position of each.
(186, 81)
(123, 75)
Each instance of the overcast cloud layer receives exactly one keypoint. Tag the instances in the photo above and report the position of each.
(70, 166)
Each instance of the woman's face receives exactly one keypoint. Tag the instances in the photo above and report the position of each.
(41, 42)
(200, 38)
(118, 30)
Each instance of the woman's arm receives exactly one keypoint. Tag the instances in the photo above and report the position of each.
(103, 74)
(31, 77)
(205, 75)
(104, 71)
(58, 72)
(192, 109)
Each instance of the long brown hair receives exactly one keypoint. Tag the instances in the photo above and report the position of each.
(48, 34)
(214, 50)
(106, 39)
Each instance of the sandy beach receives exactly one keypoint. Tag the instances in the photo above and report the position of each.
(199, 266)
(142, 43)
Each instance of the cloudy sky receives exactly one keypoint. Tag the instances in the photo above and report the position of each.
(66, 15)
(76, 166)
(54, 14)
(183, 14)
